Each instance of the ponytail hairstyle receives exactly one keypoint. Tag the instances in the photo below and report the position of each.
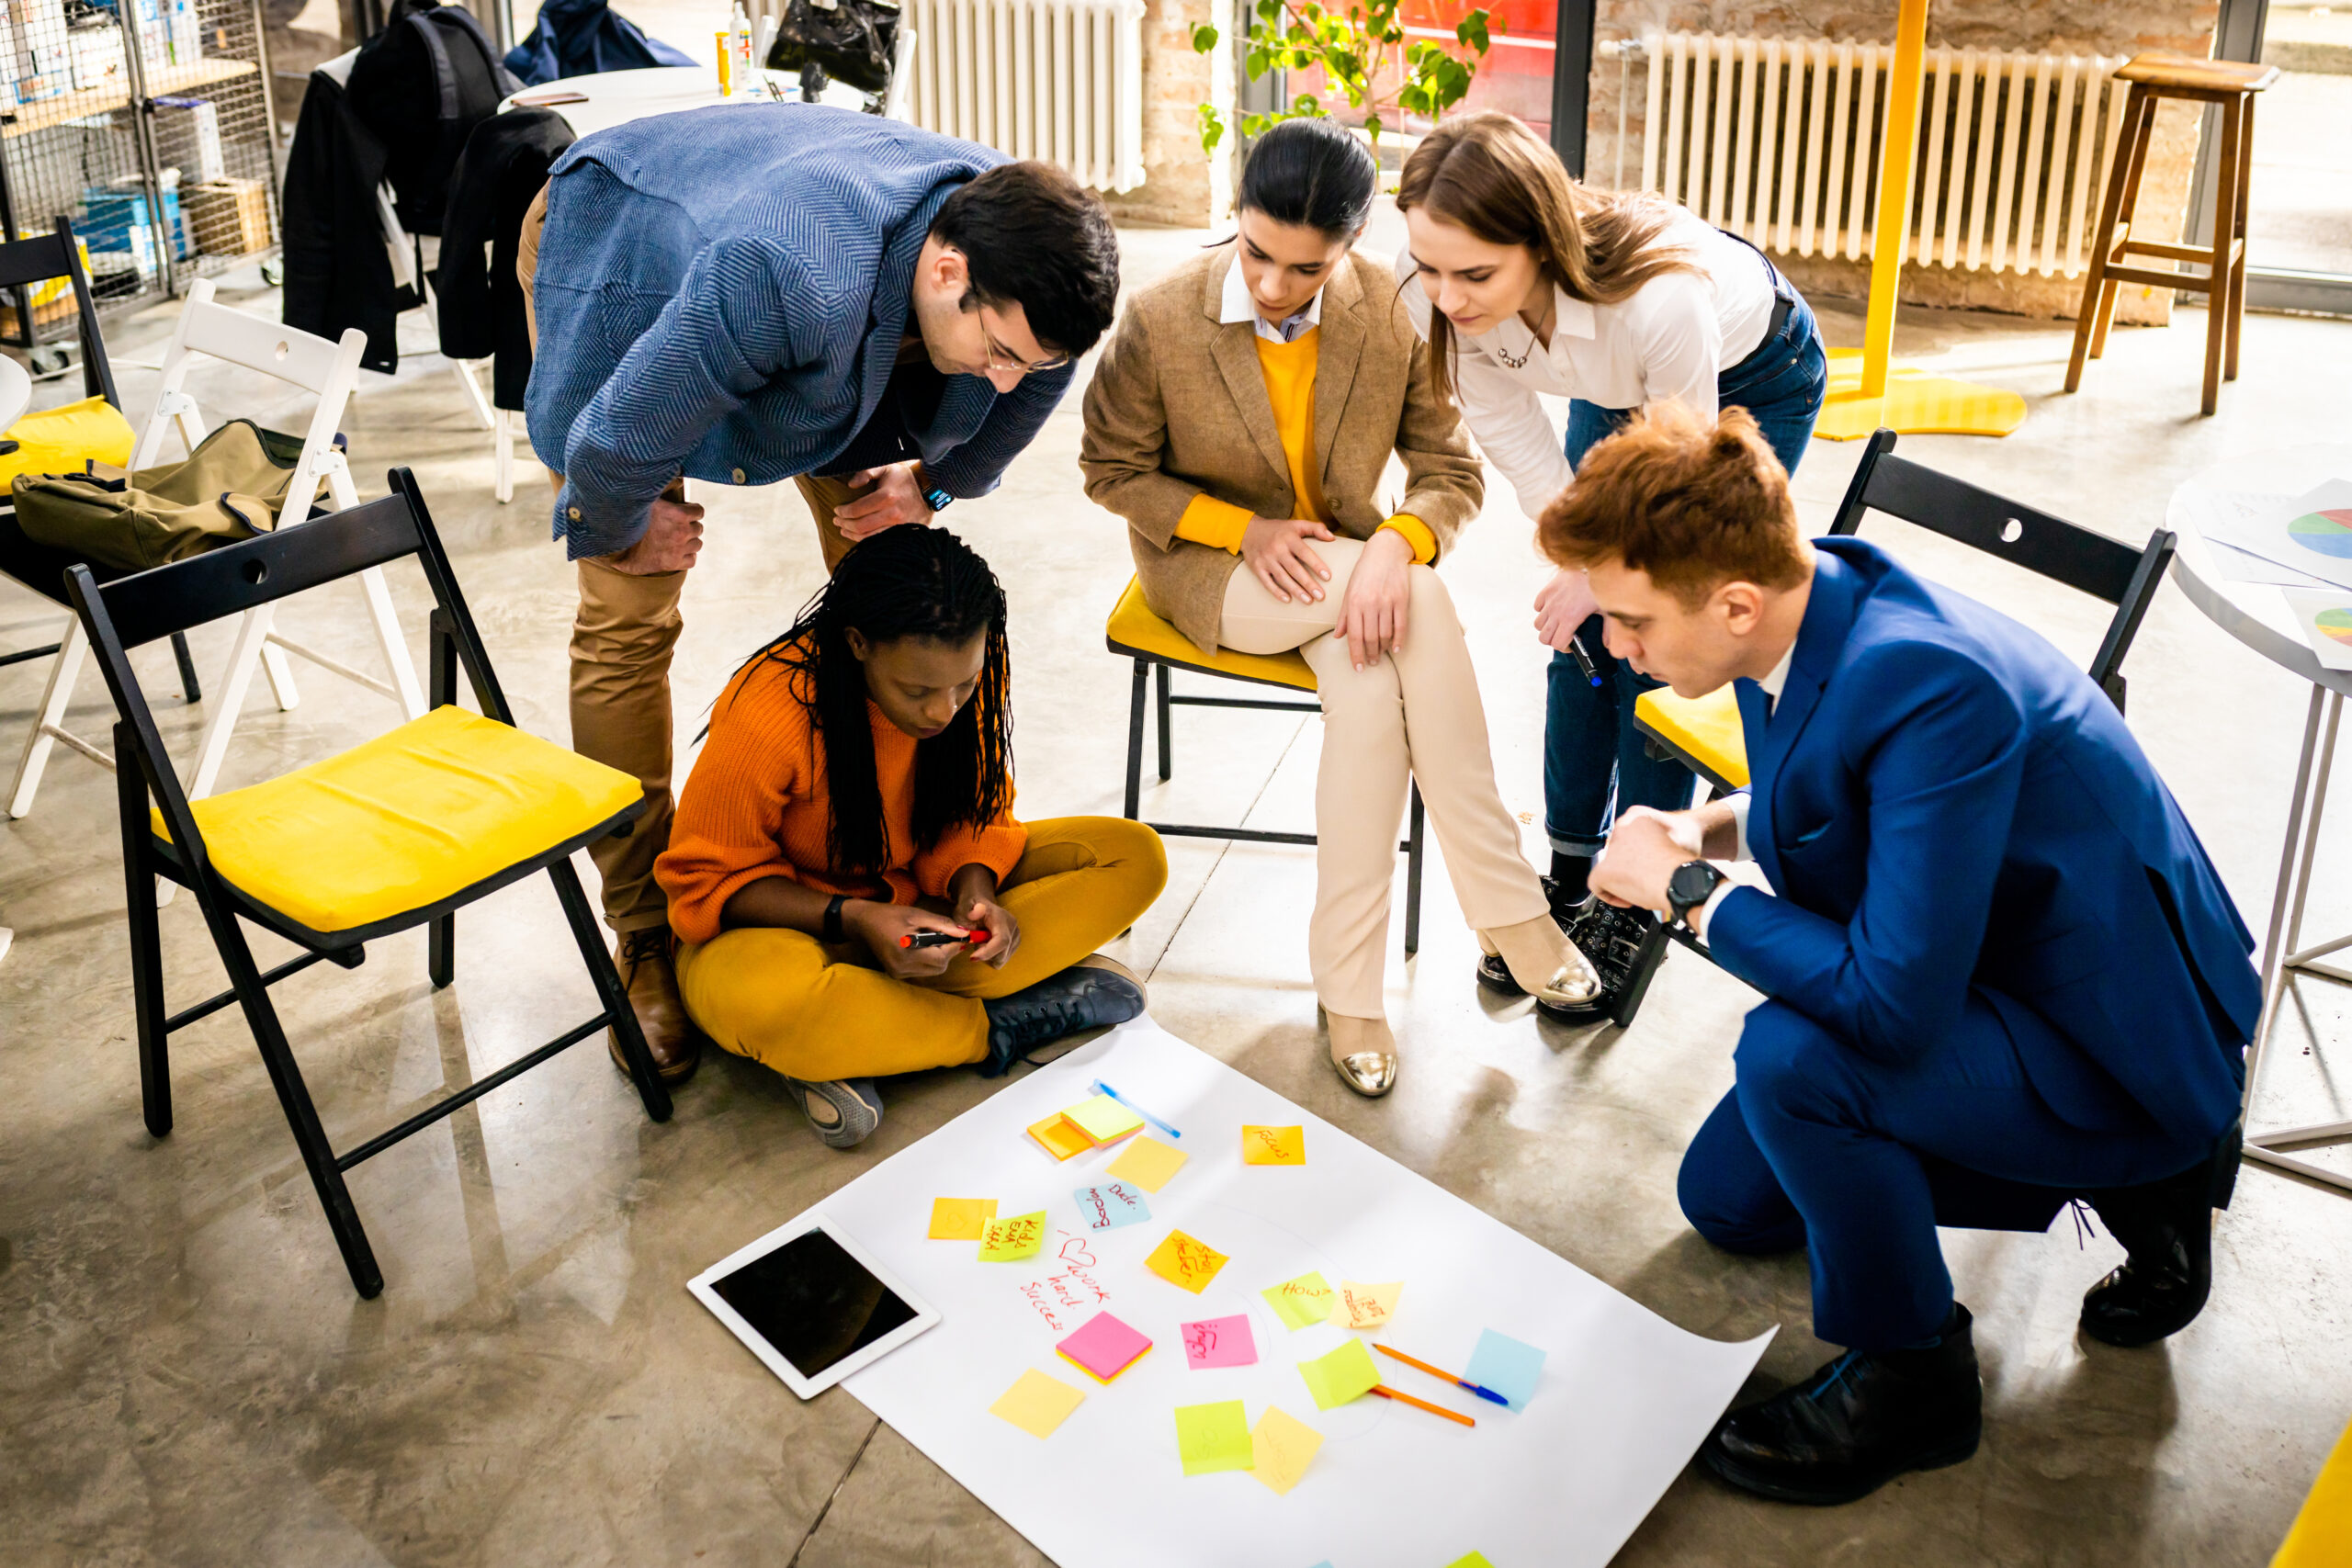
(902, 583)
(1489, 174)
(1314, 175)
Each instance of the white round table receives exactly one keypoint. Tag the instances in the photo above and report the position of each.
(616, 97)
(2257, 615)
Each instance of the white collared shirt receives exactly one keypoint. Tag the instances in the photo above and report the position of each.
(1673, 338)
(1237, 306)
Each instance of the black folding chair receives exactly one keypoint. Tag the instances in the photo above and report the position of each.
(469, 791)
(1692, 731)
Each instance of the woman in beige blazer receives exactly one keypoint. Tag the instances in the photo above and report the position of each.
(1241, 420)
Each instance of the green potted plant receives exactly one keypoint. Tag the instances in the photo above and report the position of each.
(1363, 53)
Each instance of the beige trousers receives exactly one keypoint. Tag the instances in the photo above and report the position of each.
(1412, 713)
(622, 640)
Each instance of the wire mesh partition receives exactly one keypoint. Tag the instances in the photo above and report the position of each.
(161, 150)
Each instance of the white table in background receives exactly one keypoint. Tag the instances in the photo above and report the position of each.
(2258, 615)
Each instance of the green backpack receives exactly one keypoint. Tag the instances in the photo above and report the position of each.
(231, 488)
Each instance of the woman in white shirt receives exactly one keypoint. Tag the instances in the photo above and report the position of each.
(1530, 283)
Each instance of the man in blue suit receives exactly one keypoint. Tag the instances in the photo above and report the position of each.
(759, 292)
(2000, 972)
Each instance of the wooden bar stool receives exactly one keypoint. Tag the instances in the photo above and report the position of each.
(2229, 85)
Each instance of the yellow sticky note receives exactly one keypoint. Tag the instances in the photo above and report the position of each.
(1283, 1446)
(1059, 1138)
(1149, 1163)
(1184, 1262)
(1037, 1404)
(1008, 1241)
(960, 1219)
(1103, 1119)
(1368, 1306)
(1475, 1560)
(1273, 1146)
(1301, 1302)
(1346, 1373)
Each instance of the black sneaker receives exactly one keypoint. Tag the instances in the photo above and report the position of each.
(2167, 1228)
(1091, 993)
(1610, 937)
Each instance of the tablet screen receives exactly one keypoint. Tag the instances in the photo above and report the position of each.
(813, 1302)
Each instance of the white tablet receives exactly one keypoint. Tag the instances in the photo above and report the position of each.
(811, 1303)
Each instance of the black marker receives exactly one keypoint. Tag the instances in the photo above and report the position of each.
(1584, 660)
(940, 938)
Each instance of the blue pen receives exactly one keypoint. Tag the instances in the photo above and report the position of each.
(1101, 1087)
(1584, 660)
(1486, 1393)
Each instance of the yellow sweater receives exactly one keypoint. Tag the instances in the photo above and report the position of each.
(1289, 369)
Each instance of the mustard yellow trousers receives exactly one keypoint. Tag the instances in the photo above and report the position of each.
(818, 1012)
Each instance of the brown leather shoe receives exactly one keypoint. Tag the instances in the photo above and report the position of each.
(651, 981)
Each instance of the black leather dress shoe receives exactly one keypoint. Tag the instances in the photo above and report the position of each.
(1610, 937)
(1857, 1423)
(2167, 1228)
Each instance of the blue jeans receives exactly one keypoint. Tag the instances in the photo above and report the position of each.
(1819, 1147)
(1590, 741)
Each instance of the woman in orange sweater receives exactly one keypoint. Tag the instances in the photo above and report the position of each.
(853, 895)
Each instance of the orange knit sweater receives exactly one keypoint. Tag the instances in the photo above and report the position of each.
(756, 805)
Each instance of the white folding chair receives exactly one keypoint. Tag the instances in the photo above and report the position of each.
(405, 250)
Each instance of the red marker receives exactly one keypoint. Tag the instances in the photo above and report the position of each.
(940, 938)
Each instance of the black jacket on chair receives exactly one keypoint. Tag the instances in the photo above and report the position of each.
(504, 167)
(338, 273)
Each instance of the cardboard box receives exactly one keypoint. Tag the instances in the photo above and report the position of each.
(228, 218)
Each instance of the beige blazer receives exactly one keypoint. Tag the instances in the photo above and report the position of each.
(1178, 406)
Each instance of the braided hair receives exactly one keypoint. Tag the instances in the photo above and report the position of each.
(902, 583)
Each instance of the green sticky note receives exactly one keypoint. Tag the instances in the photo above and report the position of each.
(1346, 1373)
(1103, 1119)
(1011, 1240)
(1475, 1560)
(1301, 1302)
(1211, 1437)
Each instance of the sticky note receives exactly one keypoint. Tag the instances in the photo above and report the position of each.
(1219, 1342)
(1008, 1241)
(1037, 1404)
(1149, 1163)
(1273, 1146)
(1346, 1373)
(1110, 1206)
(1475, 1560)
(1059, 1138)
(1186, 1261)
(960, 1219)
(1103, 1119)
(1301, 1302)
(1211, 1437)
(1103, 1348)
(1506, 1366)
(1368, 1306)
(1280, 1448)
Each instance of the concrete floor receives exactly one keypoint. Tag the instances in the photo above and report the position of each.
(186, 1377)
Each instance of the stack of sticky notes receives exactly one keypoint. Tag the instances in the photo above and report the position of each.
(1089, 1124)
(1103, 1348)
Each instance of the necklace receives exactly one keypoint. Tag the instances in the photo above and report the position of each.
(1534, 336)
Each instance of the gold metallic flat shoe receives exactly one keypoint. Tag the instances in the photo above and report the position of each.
(1364, 1053)
(1539, 948)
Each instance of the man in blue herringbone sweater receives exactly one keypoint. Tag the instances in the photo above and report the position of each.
(759, 292)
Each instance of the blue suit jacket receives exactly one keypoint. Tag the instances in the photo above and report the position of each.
(722, 292)
(1943, 801)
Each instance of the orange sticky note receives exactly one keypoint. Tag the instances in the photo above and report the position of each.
(1059, 1138)
(960, 1219)
(1184, 1262)
(1273, 1146)
(1149, 1163)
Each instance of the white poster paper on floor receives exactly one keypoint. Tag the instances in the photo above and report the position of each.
(1624, 1399)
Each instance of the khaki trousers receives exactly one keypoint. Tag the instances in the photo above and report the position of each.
(622, 639)
(1412, 713)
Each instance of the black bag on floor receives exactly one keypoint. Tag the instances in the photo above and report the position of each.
(421, 86)
(854, 41)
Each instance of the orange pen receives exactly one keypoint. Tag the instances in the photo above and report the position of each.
(1386, 1393)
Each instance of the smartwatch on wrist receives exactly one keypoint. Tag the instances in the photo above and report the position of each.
(832, 930)
(936, 499)
(1693, 883)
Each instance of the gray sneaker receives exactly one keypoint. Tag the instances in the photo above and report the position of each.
(1090, 994)
(844, 1112)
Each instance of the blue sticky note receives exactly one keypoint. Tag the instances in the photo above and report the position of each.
(1110, 1206)
(1507, 1367)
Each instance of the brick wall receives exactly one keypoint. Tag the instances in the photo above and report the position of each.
(1181, 185)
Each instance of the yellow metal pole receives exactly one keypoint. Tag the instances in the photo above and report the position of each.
(1892, 231)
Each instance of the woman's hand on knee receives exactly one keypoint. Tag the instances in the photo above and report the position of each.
(1373, 610)
(884, 929)
(1276, 550)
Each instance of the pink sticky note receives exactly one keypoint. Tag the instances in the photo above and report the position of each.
(1103, 1348)
(1219, 1342)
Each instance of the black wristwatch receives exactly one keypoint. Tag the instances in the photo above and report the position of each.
(936, 499)
(1693, 883)
(833, 931)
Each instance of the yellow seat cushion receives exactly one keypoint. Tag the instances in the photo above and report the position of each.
(404, 820)
(1133, 628)
(2322, 1536)
(1704, 730)
(59, 440)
